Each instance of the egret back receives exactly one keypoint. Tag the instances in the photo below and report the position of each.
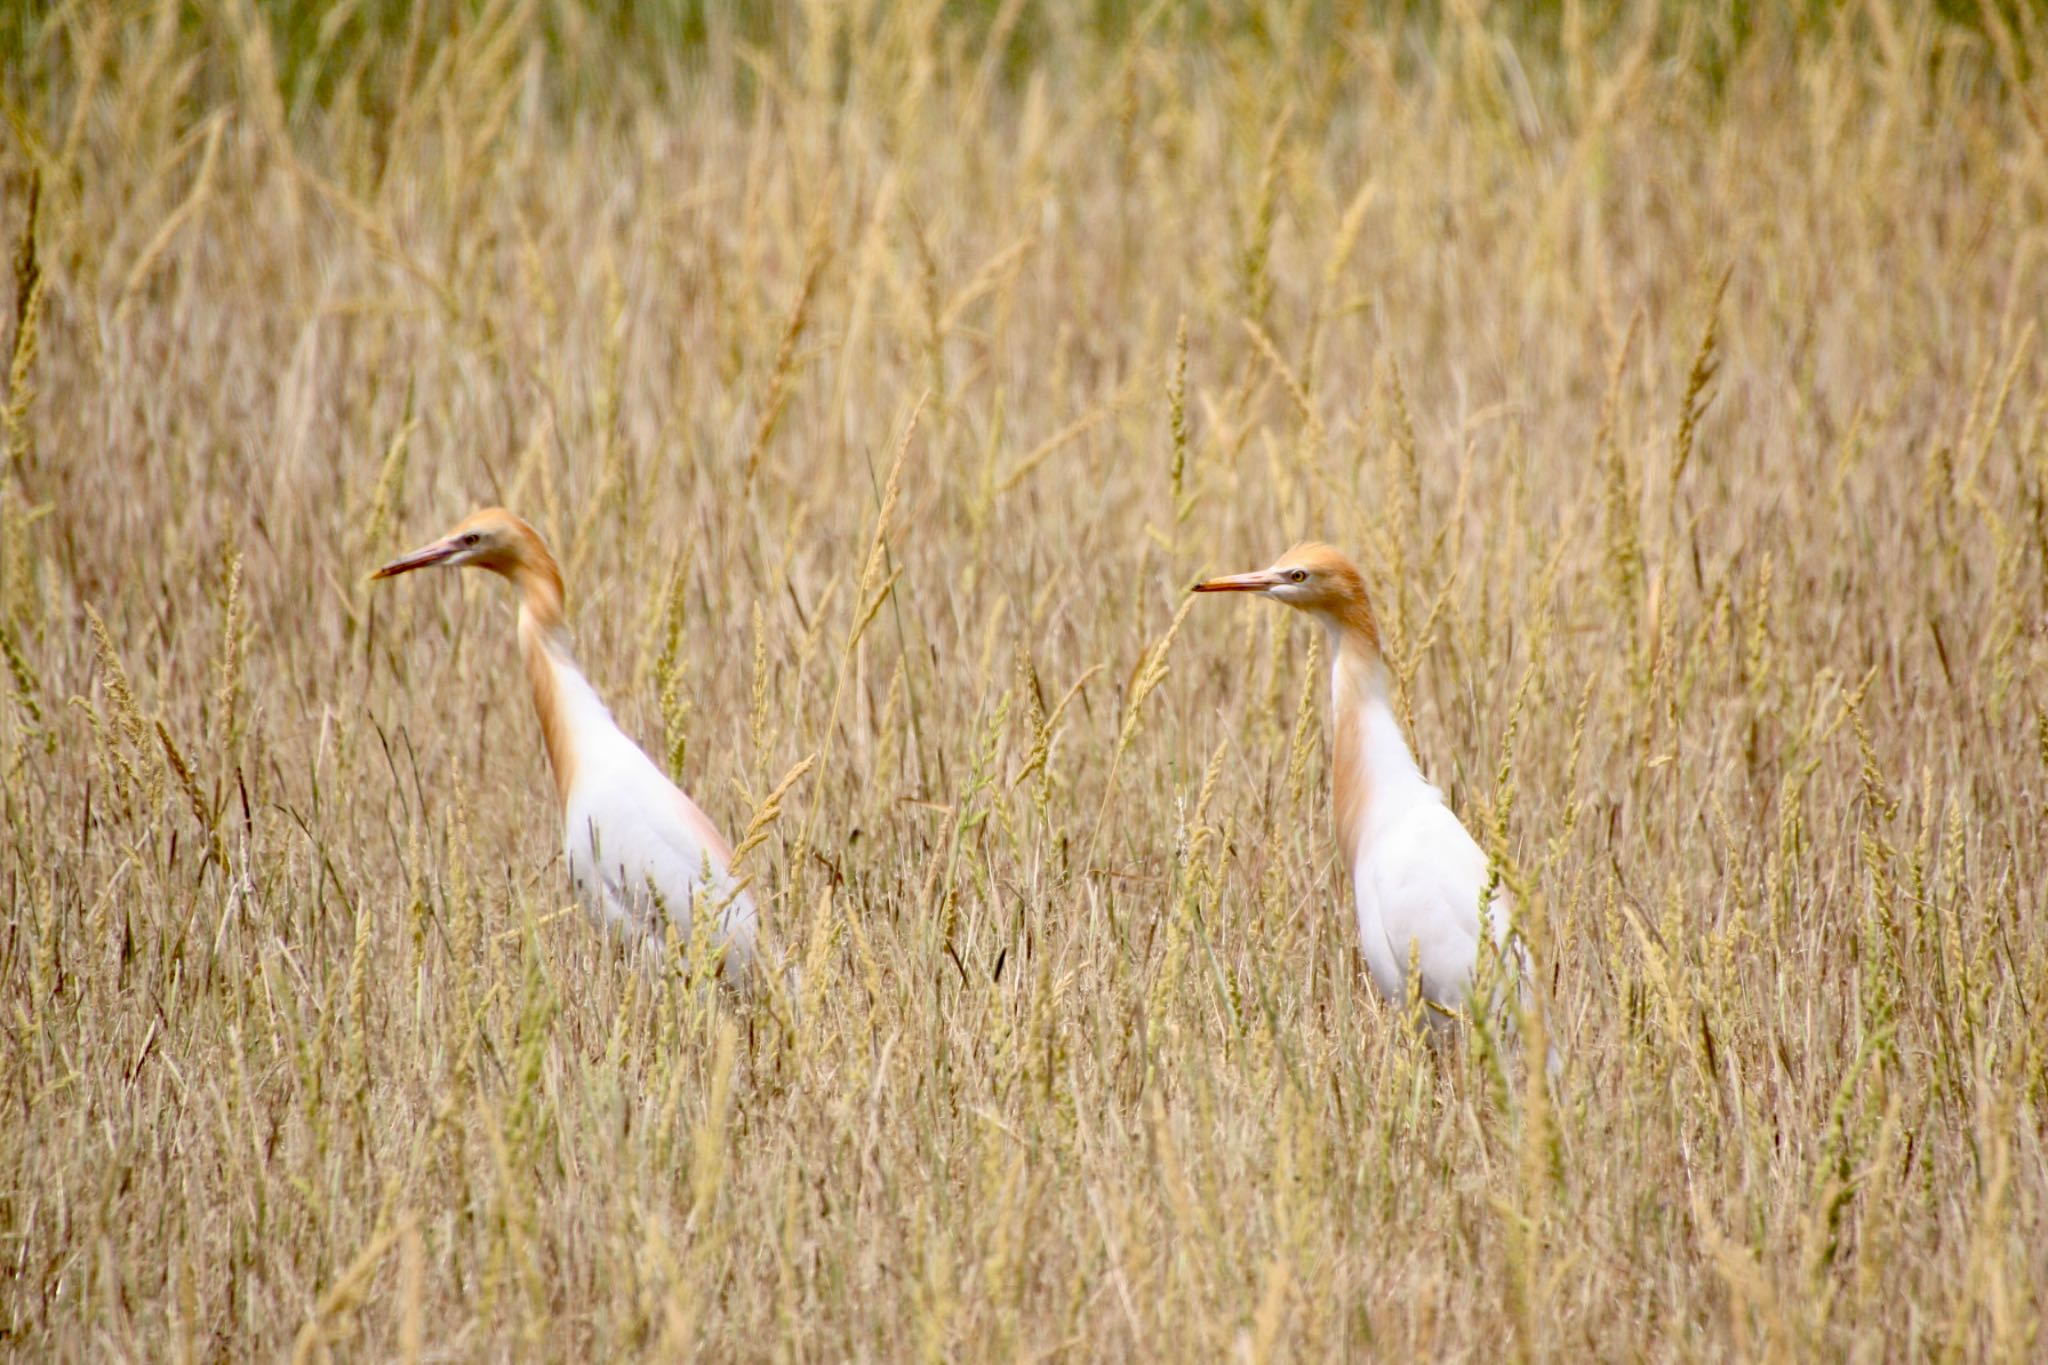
(1418, 886)
(641, 855)
(1416, 872)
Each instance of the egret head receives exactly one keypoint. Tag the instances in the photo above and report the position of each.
(495, 539)
(491, 539)
(1314, 578)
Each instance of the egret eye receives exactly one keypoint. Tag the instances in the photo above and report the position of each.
(1297, 575)
(471, 539)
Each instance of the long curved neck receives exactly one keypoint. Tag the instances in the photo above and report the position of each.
(1371, 761)
(544, 647)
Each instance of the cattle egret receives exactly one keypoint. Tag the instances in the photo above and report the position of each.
(1417, 875)
(638, 849)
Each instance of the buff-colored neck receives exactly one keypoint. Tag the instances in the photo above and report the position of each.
(1358, 678)
(544, 646)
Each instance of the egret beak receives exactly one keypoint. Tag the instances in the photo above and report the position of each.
(1260, 581)
(425, 557)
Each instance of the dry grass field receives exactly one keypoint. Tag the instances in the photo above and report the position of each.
(883, 375)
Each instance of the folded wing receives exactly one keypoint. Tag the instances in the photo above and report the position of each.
(640, 851)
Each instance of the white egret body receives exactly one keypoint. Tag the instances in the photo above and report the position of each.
(1416, 873)
(640, 852)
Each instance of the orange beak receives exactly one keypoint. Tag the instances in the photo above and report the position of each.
(1242, 582)
(423, 558)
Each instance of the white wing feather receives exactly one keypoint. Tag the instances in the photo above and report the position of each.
(639, 849)
(1418, 884)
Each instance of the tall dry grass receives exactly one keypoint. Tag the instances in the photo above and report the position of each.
(1677, 374)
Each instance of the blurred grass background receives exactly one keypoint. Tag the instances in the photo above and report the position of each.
(882, 375)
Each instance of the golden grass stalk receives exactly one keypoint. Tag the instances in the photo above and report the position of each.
(817, 256)
(1076, 1054)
